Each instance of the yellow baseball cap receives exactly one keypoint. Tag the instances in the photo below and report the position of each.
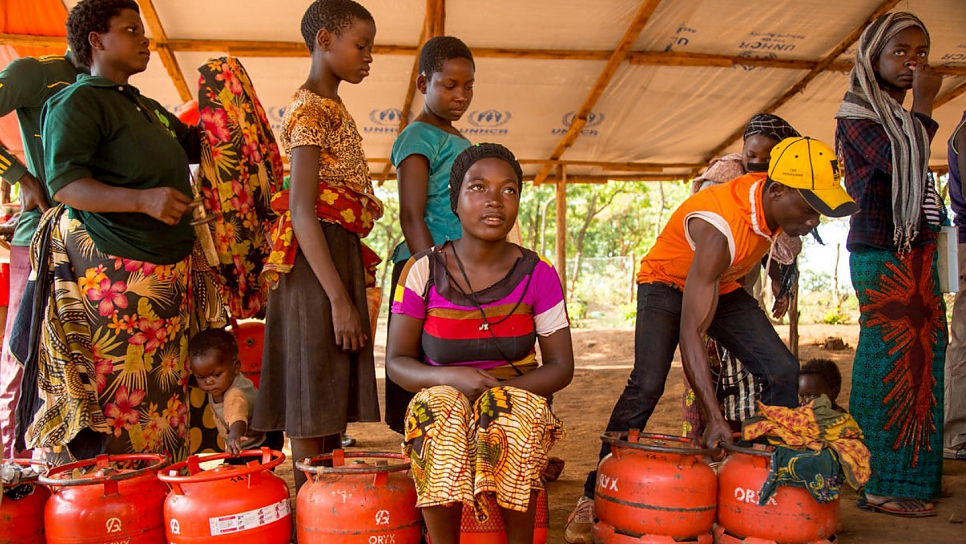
(811, 167)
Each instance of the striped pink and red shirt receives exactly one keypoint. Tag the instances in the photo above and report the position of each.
(527, 302)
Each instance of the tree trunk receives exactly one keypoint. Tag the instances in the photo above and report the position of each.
(579, 243)
(793, 320)
(543, 224)
(660, 209)
(835, 280)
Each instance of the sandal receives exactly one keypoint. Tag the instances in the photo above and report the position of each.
(897, 506)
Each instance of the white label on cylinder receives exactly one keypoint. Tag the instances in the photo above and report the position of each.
(236, 523)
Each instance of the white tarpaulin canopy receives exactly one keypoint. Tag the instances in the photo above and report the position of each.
(663, 85)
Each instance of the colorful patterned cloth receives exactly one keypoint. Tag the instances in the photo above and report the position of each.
(736, 388)
(114, 343)
(897, 375)
(498, 445)
(819, 472)
(346, 196)
(240, 163)
(816, 427)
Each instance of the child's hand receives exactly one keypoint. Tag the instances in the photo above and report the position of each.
(233, 444)
(472, 382)
(925, 81)
(347, 325)
(236, 434)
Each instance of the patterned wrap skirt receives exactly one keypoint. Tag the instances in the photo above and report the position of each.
(114, 345)
(897, 376)
(736, 388)
(497, 445)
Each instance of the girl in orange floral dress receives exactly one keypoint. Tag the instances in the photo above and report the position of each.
(318, 370)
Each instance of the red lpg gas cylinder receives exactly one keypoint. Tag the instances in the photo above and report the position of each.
(369, 502)
(654, 489)
(791, 516)
(250, 336)
(188, 113)
(231, 504)
(473, 531)
(118, 500)
(22, 509)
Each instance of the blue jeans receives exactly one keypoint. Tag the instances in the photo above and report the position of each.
(738, 323)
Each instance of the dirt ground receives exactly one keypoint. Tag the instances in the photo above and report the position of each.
(604, 358)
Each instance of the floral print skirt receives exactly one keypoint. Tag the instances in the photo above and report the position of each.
(461, 450)
(114, 345)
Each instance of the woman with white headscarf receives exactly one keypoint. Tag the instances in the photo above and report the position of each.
(897, 375)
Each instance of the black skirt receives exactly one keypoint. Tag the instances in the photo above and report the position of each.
(309, 386)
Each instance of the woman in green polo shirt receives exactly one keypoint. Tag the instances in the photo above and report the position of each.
(113, 345)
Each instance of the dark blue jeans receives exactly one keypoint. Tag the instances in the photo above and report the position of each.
(738, 323)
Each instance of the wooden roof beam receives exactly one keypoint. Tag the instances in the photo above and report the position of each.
(950, 95)
(571, 179)
(434, 24)
(830, 58)
(641, 18)
(613, 166)
(160, 42)
(274, 49)
(649, 167)
(30, 40)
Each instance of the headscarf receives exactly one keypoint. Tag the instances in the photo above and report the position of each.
(771, 126)
(469, 157)
(730, 167)
(907, 136)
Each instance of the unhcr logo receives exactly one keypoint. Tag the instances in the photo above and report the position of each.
(594, 119)
(275, 115)
(384, 121)
(487, 122)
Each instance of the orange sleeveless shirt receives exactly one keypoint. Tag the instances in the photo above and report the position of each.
(735, 209)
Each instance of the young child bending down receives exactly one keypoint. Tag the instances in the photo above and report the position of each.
(467, 315)
(820, 377)
(213, 357)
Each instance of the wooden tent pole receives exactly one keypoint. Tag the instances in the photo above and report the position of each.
(434, 22)
(164, 51)
(561, 238)
(793, 317)
(607, 74)
(837, 51)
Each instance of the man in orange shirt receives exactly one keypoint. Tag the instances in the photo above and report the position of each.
(688, 285)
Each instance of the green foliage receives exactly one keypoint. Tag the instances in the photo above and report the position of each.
(833, 318)
(385, 235)
(815, 282)
(577, 311)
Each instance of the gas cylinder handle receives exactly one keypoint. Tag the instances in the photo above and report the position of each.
(307, 465)
(761, 450)
(49, 478)
(29, 463)
(616, 438)
(170, 476)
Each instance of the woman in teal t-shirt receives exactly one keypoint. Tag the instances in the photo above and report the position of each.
(423, 155)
